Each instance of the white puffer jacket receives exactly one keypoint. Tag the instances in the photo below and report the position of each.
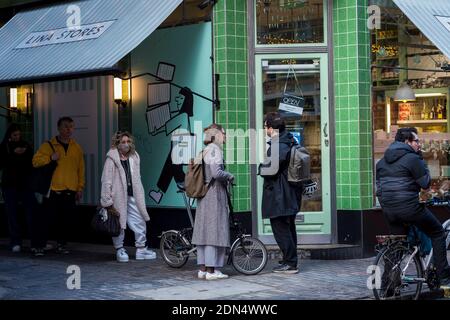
(114, 186)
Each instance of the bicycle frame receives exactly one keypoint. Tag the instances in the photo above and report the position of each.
(426, 262)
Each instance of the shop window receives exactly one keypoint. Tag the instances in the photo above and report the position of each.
(402, 55)
(289, 22)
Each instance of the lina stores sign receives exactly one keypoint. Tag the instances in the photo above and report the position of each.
(65, 35)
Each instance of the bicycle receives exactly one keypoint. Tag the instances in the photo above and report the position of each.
(403, 266)
(248, 255)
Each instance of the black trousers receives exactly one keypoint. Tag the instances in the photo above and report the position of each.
(285, 234)
(61, 207)
(12, 197)
(426, 222)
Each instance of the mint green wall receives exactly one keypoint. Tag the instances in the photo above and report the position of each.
(230, 43)
(189, 48)
(354, 175)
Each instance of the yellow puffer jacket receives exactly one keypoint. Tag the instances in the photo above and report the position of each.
(69, 174)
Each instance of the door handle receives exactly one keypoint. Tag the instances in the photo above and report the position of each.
(325, 134)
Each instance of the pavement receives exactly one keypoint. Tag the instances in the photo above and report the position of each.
(24, 277)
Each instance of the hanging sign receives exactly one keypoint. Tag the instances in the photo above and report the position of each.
(292, 104)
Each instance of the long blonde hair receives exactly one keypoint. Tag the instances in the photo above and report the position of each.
(117, 137)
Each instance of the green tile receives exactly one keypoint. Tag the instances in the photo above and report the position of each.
(355, 203)
(345, 191)
(230, 17)
(241, 17)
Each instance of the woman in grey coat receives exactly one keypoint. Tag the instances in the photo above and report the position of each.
(211, 228)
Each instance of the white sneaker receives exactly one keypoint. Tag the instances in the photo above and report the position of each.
(16, 249)
(121, 255)
(145, 254)
(201, 274)
(216, 275)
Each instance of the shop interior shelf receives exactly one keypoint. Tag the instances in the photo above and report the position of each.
(442, 121)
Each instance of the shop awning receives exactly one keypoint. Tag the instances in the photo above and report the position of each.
(432, 17)
(49, 42)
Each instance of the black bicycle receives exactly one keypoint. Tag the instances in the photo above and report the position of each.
(248, 255)
(402, 265)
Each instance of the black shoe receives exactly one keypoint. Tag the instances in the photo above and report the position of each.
(61, 249)
(285, 268)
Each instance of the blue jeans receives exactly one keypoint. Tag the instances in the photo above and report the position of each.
(13, 197)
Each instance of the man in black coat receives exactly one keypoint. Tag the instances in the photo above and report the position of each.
(280, 200)
(401, 173)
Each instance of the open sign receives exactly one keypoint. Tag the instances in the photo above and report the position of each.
(292, 104)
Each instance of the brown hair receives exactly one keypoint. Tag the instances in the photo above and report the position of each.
(211, 132)
(117, 137)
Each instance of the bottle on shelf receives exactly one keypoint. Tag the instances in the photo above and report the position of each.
(422, 114)
(425, 111)
(440, 112)
(432, 113)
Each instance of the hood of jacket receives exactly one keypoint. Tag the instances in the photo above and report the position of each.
(285, 137)
(396, 151)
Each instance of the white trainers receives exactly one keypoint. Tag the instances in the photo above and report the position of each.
(216, 275)
(16, 249)
(145, 254)
(121, 255)
(201, 274)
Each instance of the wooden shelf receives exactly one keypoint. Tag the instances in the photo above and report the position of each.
(440, 121)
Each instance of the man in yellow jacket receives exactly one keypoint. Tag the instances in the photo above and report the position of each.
(68, 178)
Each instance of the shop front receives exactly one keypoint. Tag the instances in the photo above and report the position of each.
(143, 66)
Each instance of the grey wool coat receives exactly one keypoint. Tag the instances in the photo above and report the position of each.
(114, 186)
(211, 226)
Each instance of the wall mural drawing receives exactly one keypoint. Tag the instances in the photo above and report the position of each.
(174, 121)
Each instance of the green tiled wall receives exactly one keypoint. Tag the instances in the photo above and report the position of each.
(354, 177)
(230, 53)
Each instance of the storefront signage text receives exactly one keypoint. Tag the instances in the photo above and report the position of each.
(292, 104)
(445, 21)
(65, 35)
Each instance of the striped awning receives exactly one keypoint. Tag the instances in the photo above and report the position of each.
(77, 38)
(432, 18)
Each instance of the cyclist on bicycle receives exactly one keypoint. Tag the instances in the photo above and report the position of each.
(400, 175)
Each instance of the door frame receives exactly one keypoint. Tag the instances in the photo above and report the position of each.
(327, 190)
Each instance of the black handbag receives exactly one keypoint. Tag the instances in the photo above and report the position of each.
(41, 178)
(106, 221)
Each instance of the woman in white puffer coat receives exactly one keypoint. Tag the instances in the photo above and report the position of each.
(122, 188)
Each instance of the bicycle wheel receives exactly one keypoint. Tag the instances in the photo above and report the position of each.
(173, 248)
(248, 255)
(399, 276)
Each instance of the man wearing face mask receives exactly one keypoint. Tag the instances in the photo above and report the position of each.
(122, 189)
(68, 178)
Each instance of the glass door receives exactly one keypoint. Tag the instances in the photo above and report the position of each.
(304, 76)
